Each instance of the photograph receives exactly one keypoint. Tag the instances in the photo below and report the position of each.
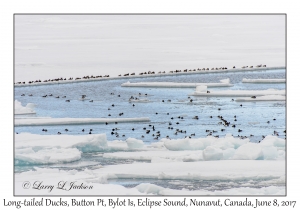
(149, 104)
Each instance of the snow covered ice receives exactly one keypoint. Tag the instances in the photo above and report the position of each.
(167, 108)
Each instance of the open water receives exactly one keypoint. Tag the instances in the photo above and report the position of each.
(251, 117)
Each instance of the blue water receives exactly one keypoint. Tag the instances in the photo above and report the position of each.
(251, 117)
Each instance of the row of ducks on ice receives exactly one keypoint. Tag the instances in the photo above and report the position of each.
(133, 74)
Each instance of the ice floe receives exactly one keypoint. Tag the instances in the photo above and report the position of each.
(28, 109)
(223, 83)
(263, 98)
(263, 80)
(202, 91)
(26, 143)
(158, 155)
(201, 170)
(208, 149)
(84, 143)
(75, 121)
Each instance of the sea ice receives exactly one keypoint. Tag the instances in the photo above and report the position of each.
(201, 91)
(223, 83)
(264, 80)
(75, 121)
(28, 109)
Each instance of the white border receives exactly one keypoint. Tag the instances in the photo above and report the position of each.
(8, 8)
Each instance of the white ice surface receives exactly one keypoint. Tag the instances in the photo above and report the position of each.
(236, 93)
(54, 46)
(28, 109)
(158, 156)
(208, 149)
(222, 170)
(74, 121)
(264, 80)
(133, 143)
(264, 98)
(85, 143)
(223, 83)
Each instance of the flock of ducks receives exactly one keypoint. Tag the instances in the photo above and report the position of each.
(172, 122)
(133, 74)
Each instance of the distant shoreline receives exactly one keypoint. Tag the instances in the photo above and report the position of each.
(150, 75)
